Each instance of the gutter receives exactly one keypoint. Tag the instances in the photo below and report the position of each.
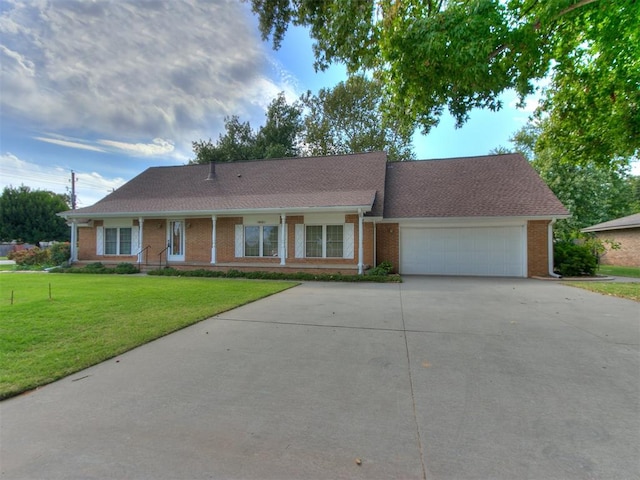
(550, 249)
(205, 213)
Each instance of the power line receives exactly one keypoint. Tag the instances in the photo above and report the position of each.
(54, 180)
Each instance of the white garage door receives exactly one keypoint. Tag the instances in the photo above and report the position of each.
(486, 251)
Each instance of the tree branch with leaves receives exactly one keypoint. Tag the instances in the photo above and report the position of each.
(458, 55)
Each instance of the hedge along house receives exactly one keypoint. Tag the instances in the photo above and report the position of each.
(487, 215)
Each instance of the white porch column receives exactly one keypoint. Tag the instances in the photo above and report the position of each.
(213, 239)
(74, 242)
(360, 243)
(140, 240)
(283, 239)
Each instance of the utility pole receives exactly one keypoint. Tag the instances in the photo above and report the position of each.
(73, 190)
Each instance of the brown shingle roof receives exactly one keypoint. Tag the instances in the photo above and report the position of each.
(291, 183)
(630, 221)
(492, 186)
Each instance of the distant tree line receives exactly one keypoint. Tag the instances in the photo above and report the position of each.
(30, 215)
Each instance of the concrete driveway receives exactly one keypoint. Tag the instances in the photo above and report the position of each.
(437, 378)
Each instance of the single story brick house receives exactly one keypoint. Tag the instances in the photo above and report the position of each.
(489, 216)
(625, 234)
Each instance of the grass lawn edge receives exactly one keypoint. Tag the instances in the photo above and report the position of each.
(73, 370)
(624, 290)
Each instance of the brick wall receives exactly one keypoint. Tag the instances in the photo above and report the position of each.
(388, 244)
(87, 243)
(198, 240)
(226, 238)
(537, 248)
(154, 233)
(628, 255)
(367, 241)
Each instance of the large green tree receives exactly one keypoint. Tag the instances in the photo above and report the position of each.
(278, 137)
(237, 143)
(345, 119)
(463, 54)
(591, 191)
(348, 119)
(30, 215)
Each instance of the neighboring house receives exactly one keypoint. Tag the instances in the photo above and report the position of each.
(488, 215)
(624, 233)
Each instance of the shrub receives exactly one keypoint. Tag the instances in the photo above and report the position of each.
(33, 256)
(383, 269)
(300, 276)
(60, 253)
(98, 268)
(126, 269)
(574, 260)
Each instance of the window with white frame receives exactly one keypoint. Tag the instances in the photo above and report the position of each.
(117, 241)
(261, 240)
(324, 241)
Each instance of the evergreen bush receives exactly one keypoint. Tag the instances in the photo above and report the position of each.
(574, 260)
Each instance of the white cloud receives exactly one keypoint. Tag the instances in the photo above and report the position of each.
(157, 147)
(90, 186)
(70, 144)
(134, 69)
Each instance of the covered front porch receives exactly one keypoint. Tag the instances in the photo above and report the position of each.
(314, 242)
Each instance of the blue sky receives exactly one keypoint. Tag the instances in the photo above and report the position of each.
(108, 89)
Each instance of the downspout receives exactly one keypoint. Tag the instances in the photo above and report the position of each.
(550, 249)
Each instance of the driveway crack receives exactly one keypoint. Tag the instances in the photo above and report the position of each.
(413, 398)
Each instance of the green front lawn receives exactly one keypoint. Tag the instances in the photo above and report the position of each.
(619, 271)
(90, 318)
(630, 291)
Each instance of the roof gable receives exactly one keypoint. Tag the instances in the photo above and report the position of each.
(487, 186)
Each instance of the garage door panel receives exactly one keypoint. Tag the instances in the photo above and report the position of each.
(489, 251)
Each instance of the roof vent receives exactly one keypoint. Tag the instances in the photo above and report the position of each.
(212, 171)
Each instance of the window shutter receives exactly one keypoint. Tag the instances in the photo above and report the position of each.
(348, 241)
(299, 240)
(135, 240)
(99, 240)
(239, 240)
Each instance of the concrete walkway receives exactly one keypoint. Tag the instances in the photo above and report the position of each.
(438, 378)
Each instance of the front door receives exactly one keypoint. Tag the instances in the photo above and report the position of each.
(175, 241)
